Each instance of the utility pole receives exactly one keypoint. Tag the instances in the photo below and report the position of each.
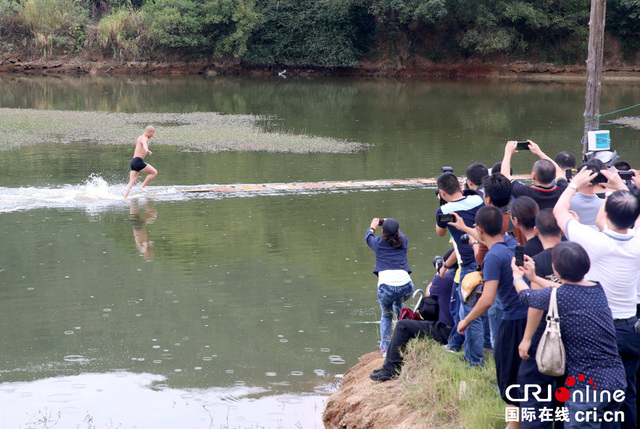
(594, 69)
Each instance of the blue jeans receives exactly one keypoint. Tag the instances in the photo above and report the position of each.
(456, 340)
(391, 299)
(473, 338)
(494, 317)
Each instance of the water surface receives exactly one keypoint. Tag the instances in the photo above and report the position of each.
(200, 310)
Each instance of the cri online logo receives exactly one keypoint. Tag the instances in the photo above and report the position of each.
(562, 394)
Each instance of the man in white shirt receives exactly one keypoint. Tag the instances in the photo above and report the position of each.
(615, 262)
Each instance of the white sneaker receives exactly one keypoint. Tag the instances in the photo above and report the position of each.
(448, 348)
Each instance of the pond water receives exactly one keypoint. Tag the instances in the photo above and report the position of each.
(210, 310)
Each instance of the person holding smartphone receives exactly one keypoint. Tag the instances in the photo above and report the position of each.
(393, 272)
(614, 252)
(465, 207)
(543, 174)
(498, 283)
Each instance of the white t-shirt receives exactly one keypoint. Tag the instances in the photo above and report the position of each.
(393, 277)
(615, 263)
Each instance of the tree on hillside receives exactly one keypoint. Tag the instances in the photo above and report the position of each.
(326, 33)
(484, 28)
(218, 27)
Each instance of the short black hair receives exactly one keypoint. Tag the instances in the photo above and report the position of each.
(565, 160)
(446, 256)
(448, 182)
(622, 165)
(547, 224)
(498, 166)
(525, 210)
(545, 171)
(476, 172)
(498, 189)
(594, 164)
(490, 219)
(622, 208)
(571, 261)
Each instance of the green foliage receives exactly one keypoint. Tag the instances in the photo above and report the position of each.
(515, 26)
(9, 10)
(316, 33)
(211, 26)
(54, 24)
(623, 20)
(122, 33)
(428, 11)
(489, 39)
(326, 33)
(462, 28)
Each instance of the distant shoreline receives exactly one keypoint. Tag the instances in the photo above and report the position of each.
(472, 69)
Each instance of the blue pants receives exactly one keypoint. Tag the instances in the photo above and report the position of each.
(581, 414)
(528, 374)
(456, 340)
(629, 349)
(494, 319)
(391, 299)
(474, 335)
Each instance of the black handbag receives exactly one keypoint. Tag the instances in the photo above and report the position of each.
(428, 308)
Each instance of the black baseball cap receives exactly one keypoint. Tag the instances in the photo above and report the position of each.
(390, 226)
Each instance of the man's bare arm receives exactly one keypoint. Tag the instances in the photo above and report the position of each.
(509, 150)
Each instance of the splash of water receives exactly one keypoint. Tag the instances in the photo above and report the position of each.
(94, 192)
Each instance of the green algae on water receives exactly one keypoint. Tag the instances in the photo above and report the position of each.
(205, 131)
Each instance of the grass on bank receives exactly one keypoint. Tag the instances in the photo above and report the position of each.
(432, 378)
(205, 131)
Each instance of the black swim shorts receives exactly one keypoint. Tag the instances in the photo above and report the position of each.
(137, 164)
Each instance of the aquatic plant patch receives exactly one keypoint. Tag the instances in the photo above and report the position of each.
(205, 131)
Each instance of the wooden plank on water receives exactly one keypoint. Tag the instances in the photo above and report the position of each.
(326, 185)
(314, 185)
(283, 186)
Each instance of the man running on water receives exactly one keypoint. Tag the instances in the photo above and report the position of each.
(138, 164)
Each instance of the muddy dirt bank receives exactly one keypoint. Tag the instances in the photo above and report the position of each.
(360, 403)
(414, 69)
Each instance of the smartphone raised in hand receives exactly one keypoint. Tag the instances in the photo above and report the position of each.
(519, 255)
(522, 145)
(445, 218)
(626, 175)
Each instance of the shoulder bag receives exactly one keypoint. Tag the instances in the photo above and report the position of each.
(550, 355)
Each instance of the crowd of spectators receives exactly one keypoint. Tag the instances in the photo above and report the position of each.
(580, 229)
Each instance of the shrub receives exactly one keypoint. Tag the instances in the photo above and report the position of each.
(219, 27)
(123, 33)
(54, 24)
(8, 11)
(326, 33)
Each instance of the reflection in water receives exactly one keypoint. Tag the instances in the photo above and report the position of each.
(97, 334)
(116, 400)
(139, 222)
